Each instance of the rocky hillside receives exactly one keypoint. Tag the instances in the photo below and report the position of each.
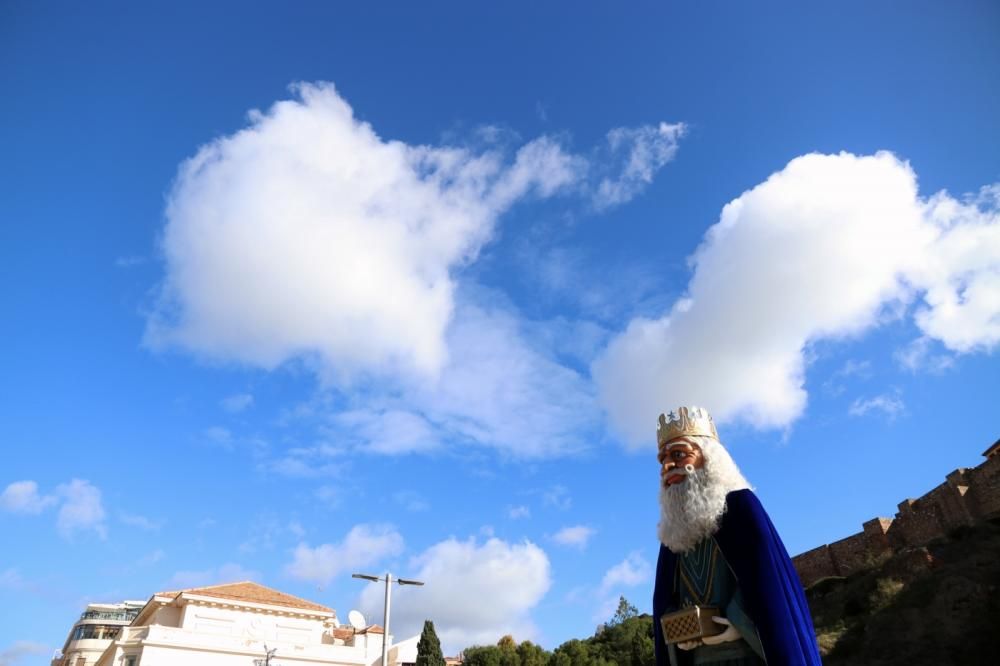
(934, 605)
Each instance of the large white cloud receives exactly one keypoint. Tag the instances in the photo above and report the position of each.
(363, 546)
(825, 248)
(474, 592)
(306, 235)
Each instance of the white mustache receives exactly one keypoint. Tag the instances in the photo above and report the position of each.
(680, 471)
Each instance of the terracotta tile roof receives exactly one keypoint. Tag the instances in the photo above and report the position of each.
(343, 632)
(250, 592)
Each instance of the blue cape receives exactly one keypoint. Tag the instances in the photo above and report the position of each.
(767, 579)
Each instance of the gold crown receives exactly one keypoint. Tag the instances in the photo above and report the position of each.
(686, 422)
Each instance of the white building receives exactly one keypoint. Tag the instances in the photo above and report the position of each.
(91, 635)
(228, 625)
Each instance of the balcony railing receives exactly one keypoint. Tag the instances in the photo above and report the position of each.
(126, 616)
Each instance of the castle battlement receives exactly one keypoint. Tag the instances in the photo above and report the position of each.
(968, 495)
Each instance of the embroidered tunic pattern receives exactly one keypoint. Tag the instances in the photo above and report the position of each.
(704, 578)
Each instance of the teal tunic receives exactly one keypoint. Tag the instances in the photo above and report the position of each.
(703, 577)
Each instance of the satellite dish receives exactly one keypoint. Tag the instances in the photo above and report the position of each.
(356, 619)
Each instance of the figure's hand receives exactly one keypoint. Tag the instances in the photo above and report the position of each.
(688, 645)
(730, 634)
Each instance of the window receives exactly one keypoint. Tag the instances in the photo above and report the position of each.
(130, 661)
(96, 631)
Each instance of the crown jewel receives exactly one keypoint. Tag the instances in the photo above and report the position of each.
(687, 421)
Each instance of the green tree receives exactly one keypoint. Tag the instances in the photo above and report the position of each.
(429, 647)
(642, 648)
(626, 640)
(572, 653)
(508, 651)
(529, 654)
(481, 655)
(624, 612)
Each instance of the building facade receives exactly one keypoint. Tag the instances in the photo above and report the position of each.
(223, 625)
(99, 625)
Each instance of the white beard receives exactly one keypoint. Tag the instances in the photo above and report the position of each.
(692, 509)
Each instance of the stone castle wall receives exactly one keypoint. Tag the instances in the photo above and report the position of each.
(966, 497)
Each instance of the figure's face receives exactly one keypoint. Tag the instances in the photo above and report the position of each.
(675, 456)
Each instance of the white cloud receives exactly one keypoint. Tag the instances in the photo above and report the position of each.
(322, 460)
(23, 497)
(82, 509)
(19, 649)
(500, 391)
(824, 249)
(11, 579)
(411, 500)
(891, 405)
(851, 368)
(633, 570)
(497, 390)
(130, 261)
(961, 272)
(364, 545)
(307, 235)
(919, 355)
(266, 530)
(227, 573)
(644, 151)
(520, 511)
(152, 558)
(142, 522)
(219, 435)
(237, 403)
(331, 496)
(296, 529)
(389, 431)
(576, 536)
(558, 497)
(475, 592)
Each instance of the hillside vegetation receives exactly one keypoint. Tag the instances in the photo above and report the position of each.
(934, 605)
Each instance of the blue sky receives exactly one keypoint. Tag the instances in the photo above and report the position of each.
(296, 291)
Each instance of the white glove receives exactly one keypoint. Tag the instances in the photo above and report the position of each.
(730, 634)
(688, 645)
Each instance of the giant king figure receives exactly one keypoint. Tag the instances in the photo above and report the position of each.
(726, 592)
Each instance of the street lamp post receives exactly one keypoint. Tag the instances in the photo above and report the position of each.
(389, 580)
